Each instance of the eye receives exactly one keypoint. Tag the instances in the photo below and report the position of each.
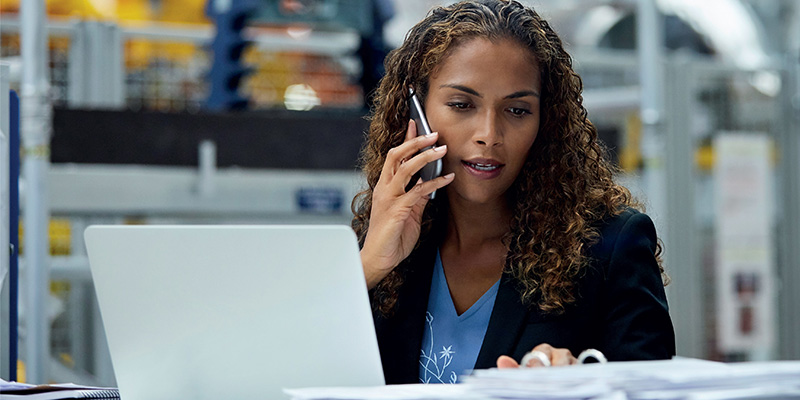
(518, 112)
(459, 106)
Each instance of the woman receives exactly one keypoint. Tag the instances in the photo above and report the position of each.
(528, 244)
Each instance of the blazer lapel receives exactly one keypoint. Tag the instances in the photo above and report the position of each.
(414, 293)
(505, 324)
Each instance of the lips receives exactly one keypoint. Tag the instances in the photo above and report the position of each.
(485, 168)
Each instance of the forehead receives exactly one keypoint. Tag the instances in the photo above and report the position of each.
(489, 61)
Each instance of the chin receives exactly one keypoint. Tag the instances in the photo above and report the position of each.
(476, 195)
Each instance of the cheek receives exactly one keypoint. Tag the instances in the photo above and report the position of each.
(438, 119)
(523, 146)
(444, 139)
(453, 135)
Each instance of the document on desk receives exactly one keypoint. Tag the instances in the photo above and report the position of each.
(24, 391)
(679, 378)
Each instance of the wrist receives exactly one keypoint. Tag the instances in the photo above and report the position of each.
(373, 273)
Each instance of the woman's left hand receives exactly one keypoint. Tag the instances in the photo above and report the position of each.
(556, 356)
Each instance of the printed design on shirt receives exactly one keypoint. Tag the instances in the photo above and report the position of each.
(430, 360)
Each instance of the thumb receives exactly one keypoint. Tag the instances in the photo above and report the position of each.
(506, 362)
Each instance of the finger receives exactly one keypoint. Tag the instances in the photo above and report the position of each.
(506, 362)
(422, 190)
(411, 147)
(545, 348)
(406, 151)
(560, 357)
(411, 132)
(419, 194)
(407, 169)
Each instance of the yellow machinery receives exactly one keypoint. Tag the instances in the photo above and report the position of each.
(180, 11)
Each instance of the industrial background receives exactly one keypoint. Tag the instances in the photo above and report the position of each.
(253, 112)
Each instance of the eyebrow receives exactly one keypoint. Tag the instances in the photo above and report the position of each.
(523, 93)
(515, 95)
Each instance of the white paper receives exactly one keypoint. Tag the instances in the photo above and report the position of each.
(679, 378)
(6, 385)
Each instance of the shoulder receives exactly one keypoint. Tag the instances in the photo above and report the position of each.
(629, 228)
(628, 219)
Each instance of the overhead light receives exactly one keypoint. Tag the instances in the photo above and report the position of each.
(300, 97)
(298, 32)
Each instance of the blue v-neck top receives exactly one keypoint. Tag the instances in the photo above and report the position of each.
(451, 342)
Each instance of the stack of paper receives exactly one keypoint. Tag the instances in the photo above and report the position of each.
(674, 379)
(680, 378)
(24, 391)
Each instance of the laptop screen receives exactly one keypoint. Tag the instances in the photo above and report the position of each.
(238, 312)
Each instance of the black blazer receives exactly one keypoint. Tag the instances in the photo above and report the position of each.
(621, 308)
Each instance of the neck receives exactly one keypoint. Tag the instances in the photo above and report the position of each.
(472, 225)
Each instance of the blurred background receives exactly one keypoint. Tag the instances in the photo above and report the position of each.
(253, 111)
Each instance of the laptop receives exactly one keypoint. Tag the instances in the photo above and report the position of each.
(233, 312)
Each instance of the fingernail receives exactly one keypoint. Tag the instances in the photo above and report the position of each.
(450, 175)
(440, 148)
(432, 134)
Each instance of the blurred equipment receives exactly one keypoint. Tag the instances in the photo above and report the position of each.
(744, 268)
(96, 67)
(366, 17)
(227, 70)
(322, 14)
(8, 307)
(313, 140)
(373, 48)
(36, 129)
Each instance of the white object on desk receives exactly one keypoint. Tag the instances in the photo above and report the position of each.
(24, 391)
(534, 355)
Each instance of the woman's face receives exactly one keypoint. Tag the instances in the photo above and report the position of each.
(483, 99)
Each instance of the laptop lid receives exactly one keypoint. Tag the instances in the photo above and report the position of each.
(233, 312)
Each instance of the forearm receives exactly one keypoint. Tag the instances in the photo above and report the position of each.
(372, 272)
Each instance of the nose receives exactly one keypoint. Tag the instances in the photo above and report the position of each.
(488, 130)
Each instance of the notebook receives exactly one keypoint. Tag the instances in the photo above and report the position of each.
(23, 391)
(232, 312)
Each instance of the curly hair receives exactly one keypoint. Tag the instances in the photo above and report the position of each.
(566, 185)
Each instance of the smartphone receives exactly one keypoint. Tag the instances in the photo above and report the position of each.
(433, 168)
